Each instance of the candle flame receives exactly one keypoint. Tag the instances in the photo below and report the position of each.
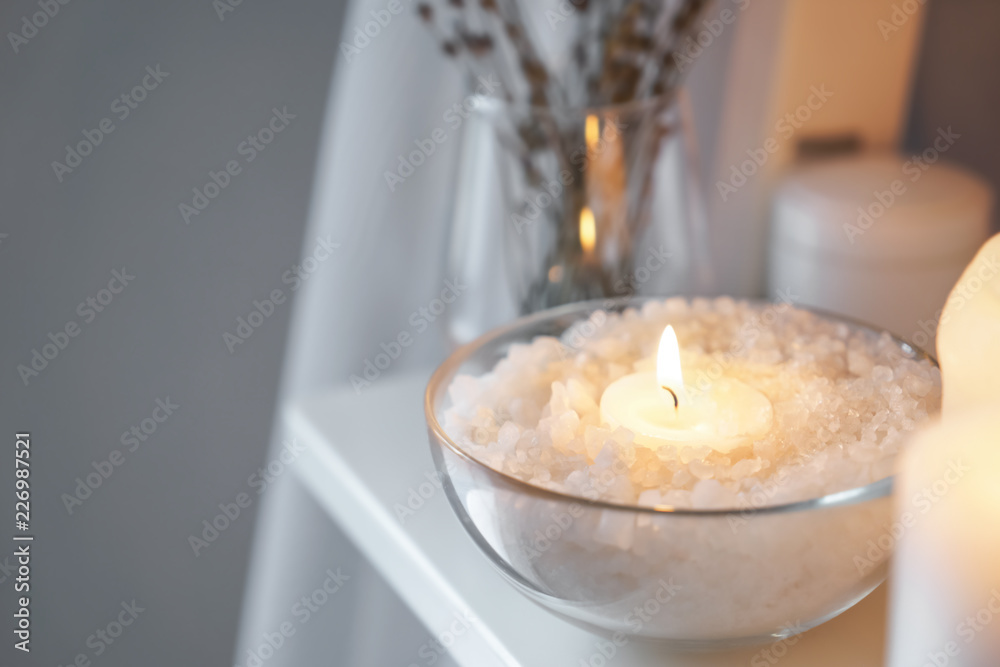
(588, 230)
(668, 364)
(591, 131)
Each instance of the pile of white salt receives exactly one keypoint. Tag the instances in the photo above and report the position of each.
(843, 400)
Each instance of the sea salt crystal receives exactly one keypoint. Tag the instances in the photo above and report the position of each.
(711, 493)
(691, 453)
(606, 457)
(701, 470)
(649, 498)
(677, 498)
(917, 386)
(843, 399)
(508, 436)
(745, 468)
(882, 374)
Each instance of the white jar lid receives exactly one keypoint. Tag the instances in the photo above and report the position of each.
(877, 207)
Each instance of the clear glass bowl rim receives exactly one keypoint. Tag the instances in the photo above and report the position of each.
(448, 369)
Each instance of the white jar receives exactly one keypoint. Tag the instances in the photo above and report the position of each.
(877, 237)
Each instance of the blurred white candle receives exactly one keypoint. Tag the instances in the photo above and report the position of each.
(946, 574)
(968, 340)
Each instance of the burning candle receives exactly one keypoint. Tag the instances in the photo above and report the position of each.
(969, 331)
(946, 583)
(660, 410)
(946, 580)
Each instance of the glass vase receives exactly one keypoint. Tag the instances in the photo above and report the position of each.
(556, 206)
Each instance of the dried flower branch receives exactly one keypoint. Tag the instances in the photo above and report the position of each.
(622, 52)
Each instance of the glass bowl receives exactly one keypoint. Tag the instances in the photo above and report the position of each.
(696, 579)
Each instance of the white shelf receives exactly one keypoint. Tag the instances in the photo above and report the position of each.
(363, 456)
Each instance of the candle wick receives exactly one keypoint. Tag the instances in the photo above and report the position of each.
(676, 402)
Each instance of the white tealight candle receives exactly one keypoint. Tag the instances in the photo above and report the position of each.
(660, 410)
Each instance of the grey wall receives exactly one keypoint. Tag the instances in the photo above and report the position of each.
(162, 335)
